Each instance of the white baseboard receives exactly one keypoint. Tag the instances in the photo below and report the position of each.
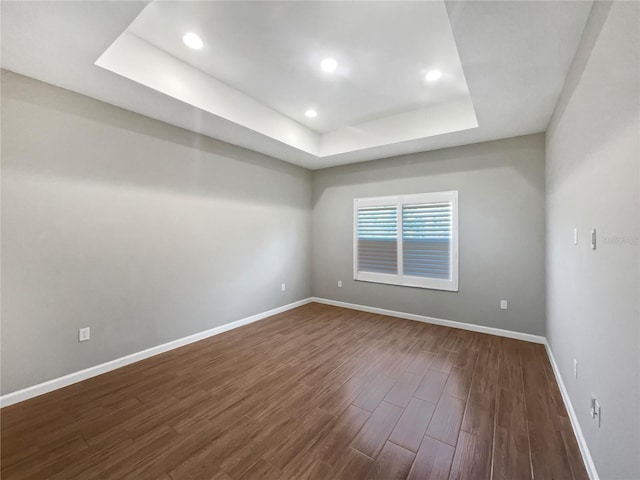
(582, 442)
(75, 377)
(527, 337)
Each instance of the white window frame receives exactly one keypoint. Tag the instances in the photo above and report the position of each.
(450, 284)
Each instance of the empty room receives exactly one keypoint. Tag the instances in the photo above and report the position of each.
(320, 240)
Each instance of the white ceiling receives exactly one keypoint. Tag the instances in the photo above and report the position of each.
(263, 75)
(259, 72)
(272, 52)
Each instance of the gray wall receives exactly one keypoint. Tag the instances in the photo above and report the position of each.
(501, 215)
(593, 155)
(140, 230)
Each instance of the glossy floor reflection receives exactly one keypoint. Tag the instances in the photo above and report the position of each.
(318, 392)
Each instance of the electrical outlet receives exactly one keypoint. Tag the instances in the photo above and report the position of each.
(575, 368)
(283, 287)
(504, 305)
(84, 334)
(339, 283)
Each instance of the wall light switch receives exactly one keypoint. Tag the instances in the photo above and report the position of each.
(84, 334)
(283, 287)
(596, 412)
(593, 239)
(575, 368)
(575, 236)
(503, 305)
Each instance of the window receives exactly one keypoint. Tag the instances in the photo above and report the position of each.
(424, 255)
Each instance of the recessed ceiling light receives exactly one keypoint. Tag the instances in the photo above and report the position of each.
(329, 65)
(311, 113)
(192, 40)
(433, 75)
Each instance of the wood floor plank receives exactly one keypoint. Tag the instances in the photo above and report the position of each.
(458, 383)
(280, 404)
(261, 470)
(511, 412)
(48, 463)
(206, 461)
(136, 458)
(485, 375)
(373, 394)
(433, 461)
(317, 392)
(472, 458)
(393, 463)
(511, 458)
(402, 392)
(510, 370)
(405, 358)
(421, 362)
(432, 386)
(99, 463)
(307, 467)
(175, 454)
(299, 439)
(353, 465)
(162, 413)
(479, 416)
(412, 425)
(337, 402)
(239, 460)
(511, 455)
(445, 360)
(340, 434)
(446, 420)
(548, 455)
(573, 451)
(377, 429)
(220, 475)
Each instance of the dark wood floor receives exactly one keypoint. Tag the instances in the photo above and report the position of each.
(314, 393)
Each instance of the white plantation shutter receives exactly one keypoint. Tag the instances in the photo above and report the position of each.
(407, 240)
(378, 239)
(426, 240)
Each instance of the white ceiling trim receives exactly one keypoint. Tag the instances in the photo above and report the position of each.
(139, 60)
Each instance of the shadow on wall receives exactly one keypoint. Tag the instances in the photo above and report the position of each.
(476, 157)
(85, 139)
(597, 19)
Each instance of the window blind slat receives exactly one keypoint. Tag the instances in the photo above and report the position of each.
(377, 231)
